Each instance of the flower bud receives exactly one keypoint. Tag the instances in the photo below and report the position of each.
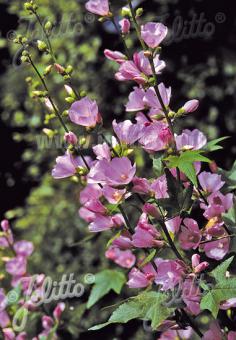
(125, 26)
(59, 69)
(49, 133)
(213, 166)
(5, 225)
(70, 100)
(48, 26)
(125, 11)
(47, 70)
(42, 46)
(47, 322)
(191, 106)
(70, 138)
(58, 310)
(28, 6)
(139, 12)
(69, 69)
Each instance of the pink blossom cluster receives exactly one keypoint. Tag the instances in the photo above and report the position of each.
(16, 267)
(112, 180)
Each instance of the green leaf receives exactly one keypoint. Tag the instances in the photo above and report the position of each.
(213, 145)
(224, 290)
(219, 272)
(148, 306)
(189, 170)
(106, 281)
(185, 161)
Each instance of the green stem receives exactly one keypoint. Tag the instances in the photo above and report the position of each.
(48, 95)
(46, 35)
(125, 217)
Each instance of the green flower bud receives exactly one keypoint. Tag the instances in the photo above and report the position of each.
(42, 46)
(83, 94)
(69, 69)
(125, 11)
(28, 6)
(70, 100)
(47, 70)
(65, 113)
(139, 12)
(48, 26)
(24, 59)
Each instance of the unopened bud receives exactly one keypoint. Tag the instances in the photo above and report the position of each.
(47, 70)
(5, 225)
(139, 12)
(42, 46)
(70, 100)
(48, 26)
(151, 210)
(125, 11)
(69, 69)
(58, 310)
(191, 105)
(59, 69)
(49, 133)
(147, 53)
(70, 138)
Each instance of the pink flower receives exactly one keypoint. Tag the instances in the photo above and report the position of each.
(16, 266)
(190, 235)
(115, 56)
(175, 334)
(140, 185)
(70, 138)
(123, 242)
(159, 187)
(141, 278)
(124, 258)
(8, 334)
(173, 224)
(90, 192)
(151, 210)
(151, 100)
(146, 234)
(230, 303)
(191, 295)
(153, 33)
(191, 106)
(197, 265)
(85, 112)
(218, 204)
(112, 195)
(232, 336)
(210, 182)
(214, 333)
(217, 249)
(100, 223)
(127, 132)
(4, 319)
(138, 69)
(66, 166)
(190, 140)
(118, 172)
(99, 7)
(136, 102)
(125, 25)
(153, 139)
(23, 248)
(169, 273)
(102, 151)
